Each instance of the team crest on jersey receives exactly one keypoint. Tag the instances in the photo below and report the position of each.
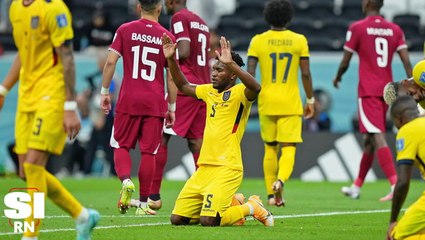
(34, 22)
(399, 144)
(226, 95)
(422, 77)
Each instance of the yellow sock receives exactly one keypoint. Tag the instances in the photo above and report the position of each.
(270, 166)
(36, 178)
(234, 214)
(62, 197)
(286, 162)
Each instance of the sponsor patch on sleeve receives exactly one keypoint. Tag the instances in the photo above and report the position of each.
(61, 20)
(178, 27)
(399, 144)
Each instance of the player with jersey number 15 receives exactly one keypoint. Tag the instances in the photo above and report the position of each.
(375, 40)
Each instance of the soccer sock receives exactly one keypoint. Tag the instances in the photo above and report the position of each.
(82, 216)
(365, 164)
(122, 162)
(36, 182)
(161, 160)
(286, 163)
(233, 214)
(195, 158)
(146, 175)
(385, 159)
(270, 166)
(62, 197)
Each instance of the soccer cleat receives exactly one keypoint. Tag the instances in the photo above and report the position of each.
(352, 192)
(278, 192)
(388, 197)
(125, 197)
(155, 205)
(84, 229)
(238, 199)
(140, 211)
(260, 212)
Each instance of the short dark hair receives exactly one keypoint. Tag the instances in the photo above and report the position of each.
(404, 105)
(149, 5)
(377, 3)
(278, 13)
(237, 58)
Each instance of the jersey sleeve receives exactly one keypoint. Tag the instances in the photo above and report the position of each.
(202, 91)
(351, 39)
(59, 23)
(117, 42)
(406, 146)
(180, 27)
(252, 49)
(304, 47)
(401, 41)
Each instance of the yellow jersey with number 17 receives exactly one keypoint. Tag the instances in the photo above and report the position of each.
(278, 54)
(37, 29)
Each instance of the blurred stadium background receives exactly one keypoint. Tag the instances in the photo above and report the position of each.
(323, 22)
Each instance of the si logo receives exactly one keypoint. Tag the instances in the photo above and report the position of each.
(422, 77)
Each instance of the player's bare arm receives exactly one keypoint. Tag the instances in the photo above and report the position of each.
(10, 80)
(107, 75)
(404, 56)
(252, 65)
(170, 118)
(184, 49)
(308, 87)
(71, 120)
(400, 192)
(179, 79)
(343, 66)
(253, 88)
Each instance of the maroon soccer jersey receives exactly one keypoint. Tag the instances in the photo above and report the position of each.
(142, 89)
(375, 40)
(185, 25)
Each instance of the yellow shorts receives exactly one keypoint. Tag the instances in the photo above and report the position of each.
(42, 129)
(286, 129)
(209, 191)
(413, 220)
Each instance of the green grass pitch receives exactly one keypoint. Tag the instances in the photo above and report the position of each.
(313, 211)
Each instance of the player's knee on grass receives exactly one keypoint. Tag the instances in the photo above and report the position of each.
(210, 221)
(179, 220)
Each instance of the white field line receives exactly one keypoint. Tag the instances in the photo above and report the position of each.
(325, 214)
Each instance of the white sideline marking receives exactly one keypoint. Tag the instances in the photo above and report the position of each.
(325, 214)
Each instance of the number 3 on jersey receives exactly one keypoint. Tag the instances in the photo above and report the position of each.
(144, 73)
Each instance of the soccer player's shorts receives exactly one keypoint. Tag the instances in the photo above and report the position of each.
(286, 129)
(372, 114)
(190, 118)
(42, 129)
(208, 191)
(128, 129)
(413, 220)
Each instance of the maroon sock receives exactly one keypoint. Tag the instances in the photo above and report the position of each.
(195, 158)
(122, 162)
(161, 160)
(146, 175)
(385, 158)
(365, 164)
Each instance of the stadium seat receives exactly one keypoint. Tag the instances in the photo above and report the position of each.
(313, 9)
(6, 42)
(410, 23)
(231, 26)
(319, 43)
(352, 9)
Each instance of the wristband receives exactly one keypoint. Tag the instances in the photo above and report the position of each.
(172, 107)
(3, 91)
(70, 106)
(104, 90)
(310, 100)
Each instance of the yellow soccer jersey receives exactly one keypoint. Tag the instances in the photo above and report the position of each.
(227, 115)
(279, 53)
(37, 30)
(410, 144)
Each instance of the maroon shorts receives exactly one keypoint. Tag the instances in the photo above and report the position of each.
(190, 117)
(128, 129)
(372, 114)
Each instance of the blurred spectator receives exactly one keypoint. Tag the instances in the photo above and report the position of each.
(212, 10)
(4, 16)
(214, 45)
(100, 31)
(321, 120)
